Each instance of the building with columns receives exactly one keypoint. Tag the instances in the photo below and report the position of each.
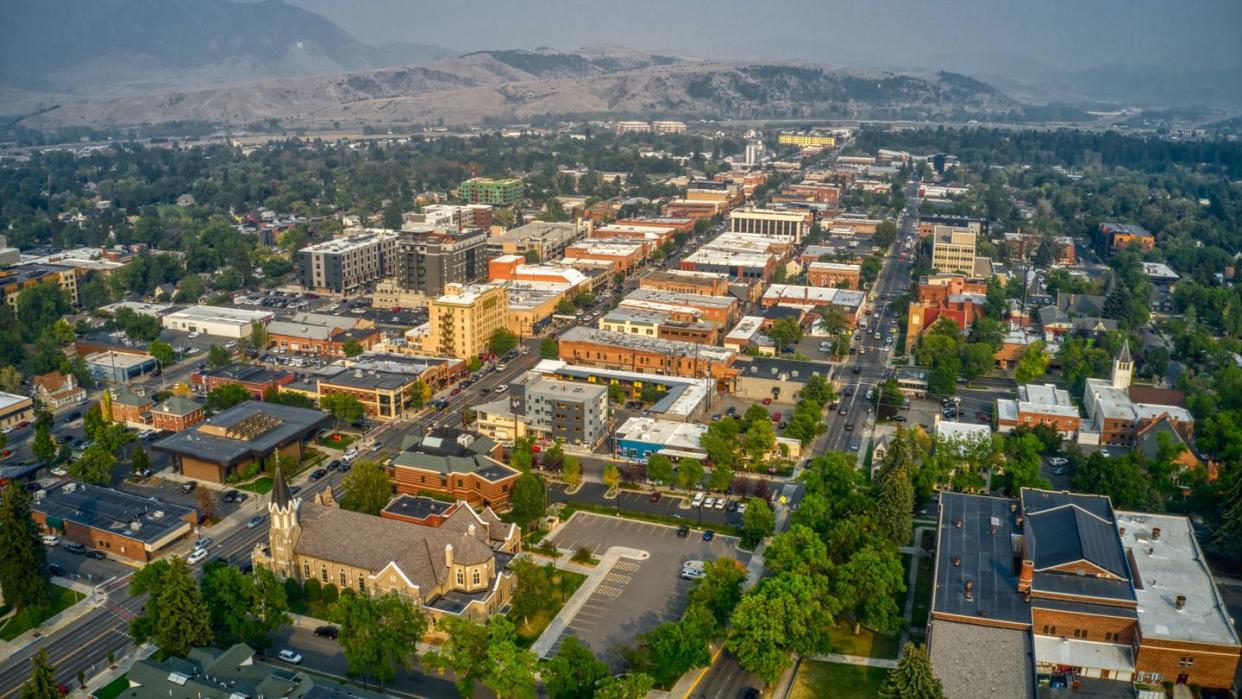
(457, 568)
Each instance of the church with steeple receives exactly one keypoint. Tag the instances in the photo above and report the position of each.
(1120, 413)
(458, 566)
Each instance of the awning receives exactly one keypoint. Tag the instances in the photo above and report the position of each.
(55, 523)
(1071, 652)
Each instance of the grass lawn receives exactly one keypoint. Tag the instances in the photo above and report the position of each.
(865, 643)
(816, 679)
(923, 592)
(261, 485)
(341, 442)
(62, 599)
(564, 583)
(113, 689)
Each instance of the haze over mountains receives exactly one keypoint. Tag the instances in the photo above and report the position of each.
(126, 62)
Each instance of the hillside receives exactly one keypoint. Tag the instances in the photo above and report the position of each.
(521, 85)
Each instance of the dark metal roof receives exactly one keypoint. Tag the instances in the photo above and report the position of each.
(1067, 534)
(418, 507)
(114, 511)
(985, 559)
(295, 423)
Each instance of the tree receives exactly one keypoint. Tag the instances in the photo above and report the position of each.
(942, 379)
(42, 683)
(184, 620)
(140, 462)
(485, 654)
(759, 440)
(566, 307)
(660, 469)
(259, 337)
(378, 635)
(218, 357)
(522, 456)
(228, 594)
(784, 332)
(977, 359)
(720, 441)
(163, 352)
(502, 341)
(10, 379)
(785, 613)
(24, 577)
(913, 677)
(205, 498)
(1032, 364)
(94, 466)
(43, 446)
(757, 522)
(689, 473)
(549, 349)
(819, 390)
(574, 672)
(867, 584)
(225, 397)
(888, 399)
(611, 476)
(342, 406)
(894, 505)
(634, 685)
(511, 669)
(721, 478)
(297, 400)
(465, 652)
(529, 498)
(352, 348)
(367, 488)
(571, 470)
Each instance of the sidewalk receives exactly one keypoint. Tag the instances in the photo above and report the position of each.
(855, 660)
(543, 645)
(111, 672)
(59, 621)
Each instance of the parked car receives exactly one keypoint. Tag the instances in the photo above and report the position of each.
(231, 495)
(203, 542)
(709, 503)
(1060, 471)
(56, 570)
(196, 556)
(655, 497)
(96, 554)
(50, 540)
(334, 464)
(709, 535)
(1058, 461)
(75, 548)
(683, 531)
(849, 427)
(290, 656)
(254, 521)
(59, 472)
(328, 631)
(720, 503)
(767, 401)
(317, 474)
(188, 486)
(349, 454)
(741, 508)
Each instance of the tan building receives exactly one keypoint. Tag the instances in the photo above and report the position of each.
(448, 570)
(462, 320)
(768, 222)
(56, 390)
(681, 281)
(16, 279)
(15, 409)
(953, 250)
(384, 394)
(835, 274)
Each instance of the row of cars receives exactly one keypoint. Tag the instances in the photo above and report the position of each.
(51, 540)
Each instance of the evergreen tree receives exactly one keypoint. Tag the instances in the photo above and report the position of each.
(23, 560)
(1227, 540)
(184, 620)
(913, 677)
(894, 505)
(42, 682)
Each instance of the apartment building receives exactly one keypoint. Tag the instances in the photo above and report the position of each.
(461, 322)
(575, 413)
(348, 265)
(485, 190)
(426, 261)
(1118, 236)
(953, 250)
(16, 279)
(619, 351)
(835, 274)
(768, 222)
(541, 239)
(804, 140)
(1036, 405)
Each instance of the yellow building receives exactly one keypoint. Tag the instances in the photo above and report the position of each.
(15, 280)
(953, 250)
(462, 320)
(806, 139)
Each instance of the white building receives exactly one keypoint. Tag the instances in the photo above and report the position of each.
(233, 323)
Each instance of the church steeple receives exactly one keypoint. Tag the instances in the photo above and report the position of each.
(280, 489)
(285, 529)
(1123, 367)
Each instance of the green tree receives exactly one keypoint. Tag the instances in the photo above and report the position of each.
(43, 446)
(660, 469)
(533, 590)
(720, 441)
(574, 672)
(689, 473)
(343, 407)
(549, 349)
(913, 677)
(720, 478)
(140, 462)
(868, 583)
(510, 668)
(786, 613)
(522, 456)
(367, 488)
(297, 400)
(42, 683)
(1032, 364)
(529, 499)
(24, 577)
(465, 652)
(502, 341)
(379, 635)
(888, 399)
(10, 379)
(819, 390)
(571, 470)
(977, 360)
(634, 685)
(757, 522)
(894, 500)
(94, 466)
(720, 588)
(225, 397)
(942, 379)
(184, 620)
(566, 307)
(611, 476)
(163, 353)
(228, 594)
(259, 338)
(759, 440)
(218, 357)
(352, 348)
(784, 332)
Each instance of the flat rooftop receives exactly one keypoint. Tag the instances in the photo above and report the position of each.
(289, 424)
(1002, 656)
(367, 379)
(674, 297)
(986, 559)
(682, 436)
(219, 314)
(352, 242)
(105, 509)
(8, 400)
(587, 391)
(726, 258)
(647, 344)
(120, 360)
(1174, 567)
(416, 506)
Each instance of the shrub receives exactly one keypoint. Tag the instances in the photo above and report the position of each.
(313, 590)
(583, 555)
(293, 590)
(330, 593)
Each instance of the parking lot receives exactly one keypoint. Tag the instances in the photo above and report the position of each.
(635, 596)
(668, 505)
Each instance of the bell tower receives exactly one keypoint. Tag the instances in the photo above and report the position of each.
(285, 530)
(1123, 367)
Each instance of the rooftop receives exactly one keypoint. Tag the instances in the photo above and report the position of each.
(834, 267)
(647, 344)
(726, 258)
(176, 405)
(683, 395)
(352, 242)
(247, 430)
(966, 431)
(681, 436)
(416, 507)
(1005, 653)
(220, 314)
(120, 360)
(8, 400)
(143, 519)
(447, 450)
(368, 379)
(979, 532)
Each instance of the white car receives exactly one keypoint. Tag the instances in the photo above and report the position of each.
(50, 540)
(192, 335)
(196, 555)
(290, 656)
(709, 503)
(59, 472)
(7, 429)
(741, 508)
(720, 504)
(1058, 461)
(350, 453)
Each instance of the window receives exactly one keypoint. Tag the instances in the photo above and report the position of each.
(344, 579)
(1188, 661)
(362, 583)
(461, 577)
(475, 577)
(323, 573)
(305, 571)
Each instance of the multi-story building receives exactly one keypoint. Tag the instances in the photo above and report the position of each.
(15, 409)
(928, 222)
(836, 274)
(122, 525)
(321, 334)
(948, 296)
(744, 265)
(804, 140)
(608, 350)
(448, 461)
(953, 250)
(57, 390)
(449, 216)
(1121, 235)
(539, 239)
(768, 222)
(176, 414)
(683, 307)
(575, 413)
(641, 437)
(1116, 417)
(668, 126)
(485, 190)
(256, 379)
(384, 395)
(463, 319)
(347, 265)
(1061, 584)
(686, 282)
(16, 279)
(123, 406)
(1039, 405)
(427, 261)
(371, 555)
(812, 297)
(623, 255)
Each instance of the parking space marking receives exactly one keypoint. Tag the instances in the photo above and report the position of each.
(619, 578)
(629, 566)
(609, 591)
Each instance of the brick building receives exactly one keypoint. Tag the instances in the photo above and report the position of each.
(1039, 405)
(460, 464)
(834, 274)
(682, 281)
(120, 524)
(176, 414)
(609, 350)
(255, 379)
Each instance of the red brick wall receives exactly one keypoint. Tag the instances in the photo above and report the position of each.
(1210, 665)
(1047, 622)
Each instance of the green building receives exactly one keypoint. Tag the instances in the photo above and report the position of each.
(485, 190)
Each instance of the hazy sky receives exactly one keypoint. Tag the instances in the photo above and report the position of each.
(1005, 35)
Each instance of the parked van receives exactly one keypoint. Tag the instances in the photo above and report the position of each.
(692, 570)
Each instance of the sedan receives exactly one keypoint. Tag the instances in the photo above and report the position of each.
(720, 504)
(290, 656)
(456, 391)
(254, 521)
(683, 531)
(196, 556)
(709, 535)
(317, 474)
(1060, 471)
(1058, 461)
(56, 570)
(849, 427)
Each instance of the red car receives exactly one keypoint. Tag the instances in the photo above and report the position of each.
(455, 391)
(655, 497)
(23, 424)
(767, 401)
(776, 417)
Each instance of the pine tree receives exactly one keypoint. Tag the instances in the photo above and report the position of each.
(895, 505)
(184, 621)
(23, 560)
(42, 682)
(913, 677)
(1227, 540)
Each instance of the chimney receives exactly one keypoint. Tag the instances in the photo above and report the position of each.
(1122, 532)
(1026, 575)
(470, 530)
(970, 587)
(1155, 533)
(957, 561)
(957, 523)
(1181, 602)
(448, 555)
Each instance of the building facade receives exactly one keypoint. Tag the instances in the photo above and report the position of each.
(57, 390)
(768, 222)
(575, 413)
(462, 465)
(836, 274)
(176, 414)
(463, 319)
(485, 190)
(428, 261)
(953, 250)
(347, 265)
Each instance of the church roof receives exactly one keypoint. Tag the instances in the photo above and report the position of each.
(280, 489)
(1125, 352)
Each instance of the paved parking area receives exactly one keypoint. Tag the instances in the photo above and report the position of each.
(668, 505)
(635, 596)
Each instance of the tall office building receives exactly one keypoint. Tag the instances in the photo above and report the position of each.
(953, 250)
(429, 260)
(347, 265)
(463, 319)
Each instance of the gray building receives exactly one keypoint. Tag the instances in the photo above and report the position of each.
(427, 260)
(347, 265)
(576, 413)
